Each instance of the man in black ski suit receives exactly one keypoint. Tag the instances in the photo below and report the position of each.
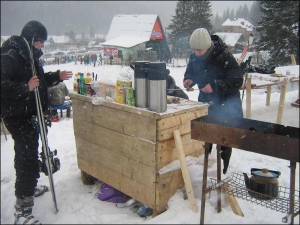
(18, 107)
(219, 78)
(173, 89)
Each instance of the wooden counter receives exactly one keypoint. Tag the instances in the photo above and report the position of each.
(126, 147)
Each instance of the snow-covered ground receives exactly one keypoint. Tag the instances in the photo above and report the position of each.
(77, 203)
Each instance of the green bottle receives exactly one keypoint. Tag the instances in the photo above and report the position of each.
(82, 85)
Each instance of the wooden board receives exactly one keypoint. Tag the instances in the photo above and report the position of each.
(126, 166)
(120, 121)
(136, 190)
(131, 147)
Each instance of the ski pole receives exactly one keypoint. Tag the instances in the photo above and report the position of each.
(3, 126)
(248, 65)
(42, 129)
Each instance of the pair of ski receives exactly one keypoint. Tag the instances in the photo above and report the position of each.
(241, 58)
(48, 163)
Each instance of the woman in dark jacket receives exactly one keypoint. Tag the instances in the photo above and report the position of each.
(18, 107)
(218, 76)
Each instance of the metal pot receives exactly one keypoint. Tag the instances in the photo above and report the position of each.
(263, 181)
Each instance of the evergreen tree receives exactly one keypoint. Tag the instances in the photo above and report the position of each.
(255, 14)
(71, 35)
(231, 16)
(217, 23)
(245, 12)
(279, 31)
(92, 32)
(239, 12)
(179, 24)
(200, 15)
(189, 15)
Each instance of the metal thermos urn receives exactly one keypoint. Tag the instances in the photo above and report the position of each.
(140, 83)
(157, 87)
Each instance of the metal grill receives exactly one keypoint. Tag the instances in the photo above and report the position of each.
(236, 187)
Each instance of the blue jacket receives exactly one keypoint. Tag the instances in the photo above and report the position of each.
(219, 69)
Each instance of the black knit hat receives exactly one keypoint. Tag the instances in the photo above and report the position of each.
(34, 29)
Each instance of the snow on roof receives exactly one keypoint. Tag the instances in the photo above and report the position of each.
(230, 39)
(240, 22)
(126, 41)
(60, 39)
(135, 29)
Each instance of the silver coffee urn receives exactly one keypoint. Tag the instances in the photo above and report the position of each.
(140, 83)
(157, 87)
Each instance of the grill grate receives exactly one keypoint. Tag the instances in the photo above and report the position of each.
(236, 187)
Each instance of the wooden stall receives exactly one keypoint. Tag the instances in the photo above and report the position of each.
(126, 147)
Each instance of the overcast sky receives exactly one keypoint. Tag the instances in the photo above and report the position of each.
(79, 16)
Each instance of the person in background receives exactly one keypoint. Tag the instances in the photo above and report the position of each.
(19, 109)
(111, 58)
(57, 96)
(100, 59)
(173, 89)
(219, 78)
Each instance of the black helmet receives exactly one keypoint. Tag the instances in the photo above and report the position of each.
(34, 30)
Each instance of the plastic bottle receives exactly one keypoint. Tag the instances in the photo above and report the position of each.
(82, 85)
(75, 84)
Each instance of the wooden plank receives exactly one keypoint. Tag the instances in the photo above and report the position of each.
(193, 154)
(168, 144)
(168, 133)
(167, 186)
(120, 121)
(140, 111)
(185, 172)
(232, 201)
(131, 168)
(248, 98)
(293, 59)
(281, 104)
(268, 100)
(171, 153)
(132, 147)
(178, 120)
(134, 189)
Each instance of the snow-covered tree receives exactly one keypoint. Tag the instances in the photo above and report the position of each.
(279, 31)
(92, 32)
(217, 23)
(255, 13)
(189, 15)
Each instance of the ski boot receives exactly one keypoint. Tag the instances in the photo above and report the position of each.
(23, 214)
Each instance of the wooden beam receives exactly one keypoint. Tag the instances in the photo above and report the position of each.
(185, 171)
(268, 100)
(293, 59)
(281, 104)
(248, 98)
(232, 201)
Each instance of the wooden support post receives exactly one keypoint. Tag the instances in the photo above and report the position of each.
(185, 171)
(281, 104)
(269, 88)
(219, 177)
(204, 179)
(293, 59)
(248, 98)
(232, 201)
(292, 189)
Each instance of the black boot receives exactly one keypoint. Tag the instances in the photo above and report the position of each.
(225, 155)
(23, 214)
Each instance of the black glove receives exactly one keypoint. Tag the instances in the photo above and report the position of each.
(225, 155)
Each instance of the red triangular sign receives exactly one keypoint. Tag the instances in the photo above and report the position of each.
(157, 32)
